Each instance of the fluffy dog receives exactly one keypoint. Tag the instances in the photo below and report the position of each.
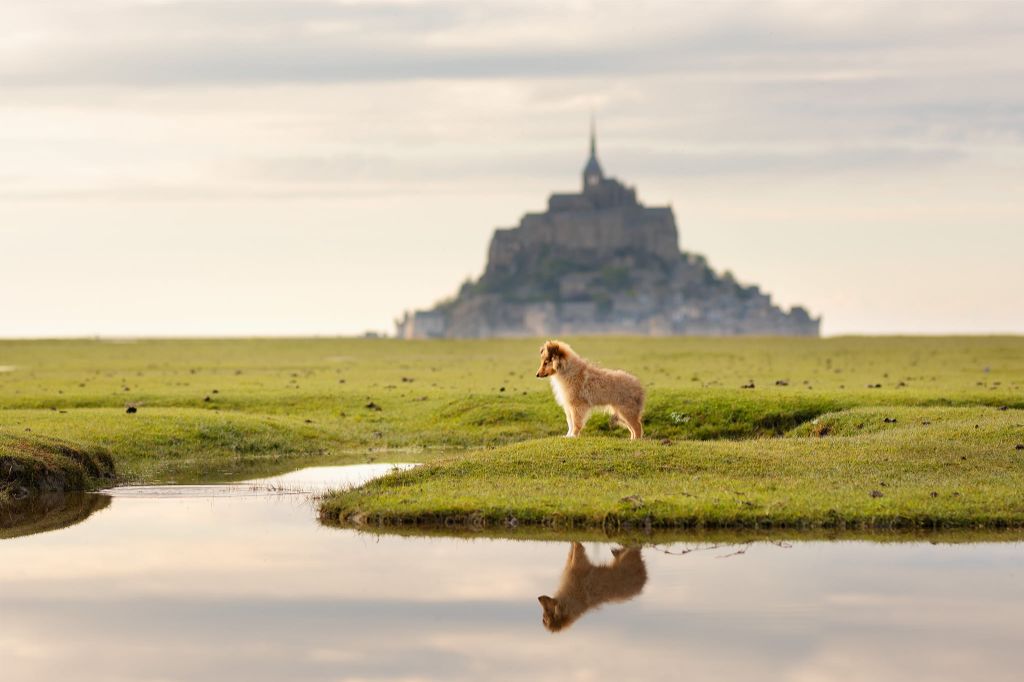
(580, 386)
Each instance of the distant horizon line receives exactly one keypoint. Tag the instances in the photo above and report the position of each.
(128, 338)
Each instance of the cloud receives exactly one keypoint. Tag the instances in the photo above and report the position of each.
(427, 123)
(182, 43)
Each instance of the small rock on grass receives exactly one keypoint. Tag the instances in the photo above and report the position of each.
(131, 409)
(876, 493)
(1020, 446)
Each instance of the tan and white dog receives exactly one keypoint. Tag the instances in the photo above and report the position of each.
(580, 386)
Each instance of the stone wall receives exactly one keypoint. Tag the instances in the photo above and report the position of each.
(595, 233)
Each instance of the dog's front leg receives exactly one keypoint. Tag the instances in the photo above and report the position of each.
(577, 420)
(572, 427)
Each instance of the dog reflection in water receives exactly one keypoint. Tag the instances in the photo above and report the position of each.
(586, 586)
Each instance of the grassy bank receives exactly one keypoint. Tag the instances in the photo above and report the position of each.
(33, 465)
(930, 468)
(228, 409)
(698, 537)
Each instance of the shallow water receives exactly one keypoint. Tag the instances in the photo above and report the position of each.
(243, 583)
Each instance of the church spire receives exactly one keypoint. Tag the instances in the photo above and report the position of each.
(592, 173)
(593, 137)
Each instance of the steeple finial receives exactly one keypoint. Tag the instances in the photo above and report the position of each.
(593, 136)
(592, 174)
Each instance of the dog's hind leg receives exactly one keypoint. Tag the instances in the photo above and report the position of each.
(617, 418)
(633, 423)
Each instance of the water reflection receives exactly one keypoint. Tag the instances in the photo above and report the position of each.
(48, 512)
(304, 483)
(250, 587)
(586, 585)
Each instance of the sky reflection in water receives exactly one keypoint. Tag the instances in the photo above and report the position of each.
(251, 587)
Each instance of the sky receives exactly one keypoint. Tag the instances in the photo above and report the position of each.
(313, 167)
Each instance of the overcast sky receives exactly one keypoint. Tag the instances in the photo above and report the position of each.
(317, 167)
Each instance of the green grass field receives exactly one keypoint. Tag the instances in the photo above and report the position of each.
(846, 431)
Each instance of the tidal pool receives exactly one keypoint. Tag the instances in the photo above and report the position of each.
(241, 582)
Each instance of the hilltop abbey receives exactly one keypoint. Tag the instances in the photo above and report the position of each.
(600, 262)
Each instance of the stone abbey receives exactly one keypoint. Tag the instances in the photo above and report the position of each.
(600, 262)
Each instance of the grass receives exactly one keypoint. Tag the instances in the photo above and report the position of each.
(32, 465)
(809, 439)
(960, 470)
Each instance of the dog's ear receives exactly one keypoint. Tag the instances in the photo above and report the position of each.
(555, 349)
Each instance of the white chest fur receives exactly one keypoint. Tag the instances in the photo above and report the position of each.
(559, 390)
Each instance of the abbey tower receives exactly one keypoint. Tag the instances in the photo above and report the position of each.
(600, 262)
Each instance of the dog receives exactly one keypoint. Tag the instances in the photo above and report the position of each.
(580, 386)
(585, 585)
